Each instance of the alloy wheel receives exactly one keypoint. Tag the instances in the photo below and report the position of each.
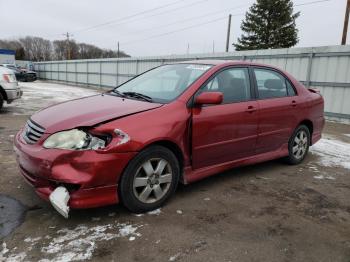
(300, 144)
(152, 180)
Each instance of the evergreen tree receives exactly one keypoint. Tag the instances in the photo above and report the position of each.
(269, 24)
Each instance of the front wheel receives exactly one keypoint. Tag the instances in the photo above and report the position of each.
(149, 179)
(298, 145)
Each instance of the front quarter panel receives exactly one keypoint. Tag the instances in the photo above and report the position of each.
(167, 123)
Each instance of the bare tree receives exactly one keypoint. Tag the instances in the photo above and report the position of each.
(40, 49)
(37, 48)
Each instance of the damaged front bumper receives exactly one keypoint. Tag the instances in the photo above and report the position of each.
(89, 177)
(59, 199)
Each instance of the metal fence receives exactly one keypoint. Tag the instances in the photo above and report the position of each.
(326, 68)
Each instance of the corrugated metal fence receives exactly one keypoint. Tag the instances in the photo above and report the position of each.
(325, 68)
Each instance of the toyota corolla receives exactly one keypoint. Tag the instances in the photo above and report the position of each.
(177, 123)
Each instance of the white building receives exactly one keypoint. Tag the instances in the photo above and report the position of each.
(7, 56)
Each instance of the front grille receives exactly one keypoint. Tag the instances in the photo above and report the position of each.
(32, 132)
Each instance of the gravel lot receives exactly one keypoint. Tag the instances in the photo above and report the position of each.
(267, 212)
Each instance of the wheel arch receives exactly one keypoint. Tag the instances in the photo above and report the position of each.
(173, 147)
(308, 123)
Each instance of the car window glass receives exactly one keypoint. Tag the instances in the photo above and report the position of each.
(233, 83)
(270, 84)
(290, 89)
(165, 83)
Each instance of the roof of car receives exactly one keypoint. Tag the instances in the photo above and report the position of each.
(218, 62)
(223, 62)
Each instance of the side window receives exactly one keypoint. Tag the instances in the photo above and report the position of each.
(270, 84)
(290, 89)
(233, 83)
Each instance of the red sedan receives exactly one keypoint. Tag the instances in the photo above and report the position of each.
(175, 123)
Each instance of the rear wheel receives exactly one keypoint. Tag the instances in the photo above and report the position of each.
(298, 145)
(149, 179)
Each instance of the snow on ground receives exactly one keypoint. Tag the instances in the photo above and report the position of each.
(39, 94)
(332, 152)
(71, 244)
(155, 212)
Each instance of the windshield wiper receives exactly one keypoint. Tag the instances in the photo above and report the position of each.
(114, 91)
(138, 95)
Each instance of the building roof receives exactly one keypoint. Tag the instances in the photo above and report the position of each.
(7, 52)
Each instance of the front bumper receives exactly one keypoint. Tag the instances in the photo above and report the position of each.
(13, 94)
(90, 176)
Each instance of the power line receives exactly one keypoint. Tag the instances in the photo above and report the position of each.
(208, 22)
(119, 21)
(313, 2)
(175, 31)
(189, 19)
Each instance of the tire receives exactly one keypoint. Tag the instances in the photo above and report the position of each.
(149, 179)
(298, 145)
(1, 101)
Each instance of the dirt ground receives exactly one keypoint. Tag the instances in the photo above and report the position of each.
(267, 212)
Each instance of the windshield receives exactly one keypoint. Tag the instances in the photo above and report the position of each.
(163, 84)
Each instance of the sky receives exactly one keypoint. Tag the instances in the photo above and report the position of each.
(158, 27)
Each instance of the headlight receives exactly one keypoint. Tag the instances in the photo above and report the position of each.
(74, 139)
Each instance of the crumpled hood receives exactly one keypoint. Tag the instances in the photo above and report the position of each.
(88, 111)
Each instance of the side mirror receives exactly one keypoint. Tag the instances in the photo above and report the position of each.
(209, 98)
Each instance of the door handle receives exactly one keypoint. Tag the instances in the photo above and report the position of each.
(294, 103)
(251, 109)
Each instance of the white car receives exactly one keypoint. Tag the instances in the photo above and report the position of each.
(9, 89)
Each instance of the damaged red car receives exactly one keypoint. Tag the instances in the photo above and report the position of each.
(177, 123)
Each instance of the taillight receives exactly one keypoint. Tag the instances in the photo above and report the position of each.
(6, 78)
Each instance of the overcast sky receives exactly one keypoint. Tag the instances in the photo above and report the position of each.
(150, 33)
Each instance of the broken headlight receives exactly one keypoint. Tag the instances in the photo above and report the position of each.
(74, 139)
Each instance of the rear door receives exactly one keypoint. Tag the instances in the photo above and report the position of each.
(277, 109)
(225, 132)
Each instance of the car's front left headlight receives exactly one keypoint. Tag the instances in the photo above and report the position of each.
(74, 139)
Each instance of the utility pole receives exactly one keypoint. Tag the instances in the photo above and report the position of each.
(229, 32)
(346, 23)
(188, 48)
(118, 50)
(213, 46)
(67, 35)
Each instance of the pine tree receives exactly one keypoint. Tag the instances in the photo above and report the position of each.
(269, 24)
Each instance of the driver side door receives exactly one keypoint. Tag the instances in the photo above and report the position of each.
(225, 132)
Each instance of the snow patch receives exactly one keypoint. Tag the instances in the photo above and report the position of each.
(332, 152)
(176, 256)
(32, 240)
(16, 257)
(4, 249)
(155, 212)
(39, 94)
(74, 244)
(131, 238)
(324, 177)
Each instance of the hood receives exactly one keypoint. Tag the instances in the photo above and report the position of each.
(88, 111)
